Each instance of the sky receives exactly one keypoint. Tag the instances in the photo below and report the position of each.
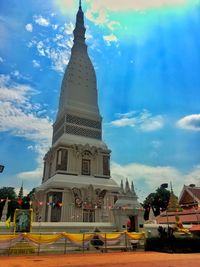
(147, 60)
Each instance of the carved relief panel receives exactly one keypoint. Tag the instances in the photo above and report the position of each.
(88, 198)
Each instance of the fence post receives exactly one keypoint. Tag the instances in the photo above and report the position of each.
(65, 246)
(38, 253)
(9, 247)
(126, 241)
(83, 243)
(105, 242)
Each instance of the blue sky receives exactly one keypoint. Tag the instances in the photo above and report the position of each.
(147, 60)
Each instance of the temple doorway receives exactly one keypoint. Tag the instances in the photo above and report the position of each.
(131, 224)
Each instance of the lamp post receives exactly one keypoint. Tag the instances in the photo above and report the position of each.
(1, 168)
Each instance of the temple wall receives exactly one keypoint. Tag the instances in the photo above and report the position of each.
(69, 212)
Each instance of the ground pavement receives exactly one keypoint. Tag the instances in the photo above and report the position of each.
(115, 259)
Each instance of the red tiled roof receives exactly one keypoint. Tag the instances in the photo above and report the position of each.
(186, 216)
(195, 228)
(195, 191)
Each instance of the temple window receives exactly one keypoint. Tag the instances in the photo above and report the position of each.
(106, 165)
(62, 156)
(86, 166)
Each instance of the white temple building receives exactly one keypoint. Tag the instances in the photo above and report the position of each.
(77, 186)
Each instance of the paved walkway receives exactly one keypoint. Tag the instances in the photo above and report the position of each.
(115, 259)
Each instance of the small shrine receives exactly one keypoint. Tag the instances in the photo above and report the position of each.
(128, 212)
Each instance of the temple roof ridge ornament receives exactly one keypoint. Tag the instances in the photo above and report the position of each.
(173, 204)
(122, 187)
(133, 189)
(127, 187)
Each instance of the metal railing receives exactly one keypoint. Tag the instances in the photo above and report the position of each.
(63, 243)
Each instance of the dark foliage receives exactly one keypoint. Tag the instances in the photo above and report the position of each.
(178, 244)
(158, 201)
(14, 202)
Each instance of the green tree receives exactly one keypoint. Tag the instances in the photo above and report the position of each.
(8, 192)
(31, 194)
(26, 199)
(12, 206)
(15, 202)
(158, 201)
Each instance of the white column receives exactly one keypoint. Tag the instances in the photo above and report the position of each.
(64, 206)
(42, 208)
(49, 209)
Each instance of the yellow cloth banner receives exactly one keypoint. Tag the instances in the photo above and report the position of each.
(42, 239)
(78, 238)
(8, 237)
(75, 238)
(110, 236)
(7, 241)
(135, 236)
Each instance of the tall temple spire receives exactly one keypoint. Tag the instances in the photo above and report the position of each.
(79, 31)
(79, 89)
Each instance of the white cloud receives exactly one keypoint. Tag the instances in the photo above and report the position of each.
(18, 117)
(16, 73)
(98, 16)
(99, 10)
(124, 122)
(126, 115)
(31, 175)
(54, 26)
(127, 5)
(68, 28)
(60, 59)
(29, 27)
(41, 48)
(151, 177)
(16, 93)
(193, 177)
(110, 38)
(22, 122)
(190, 122)
(19, 76)
(112, 25)
(144, 120)
(56, 48)
(152, 123)
(36, 64)
(41, 21)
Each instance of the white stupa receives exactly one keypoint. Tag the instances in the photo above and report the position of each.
(76, 184)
